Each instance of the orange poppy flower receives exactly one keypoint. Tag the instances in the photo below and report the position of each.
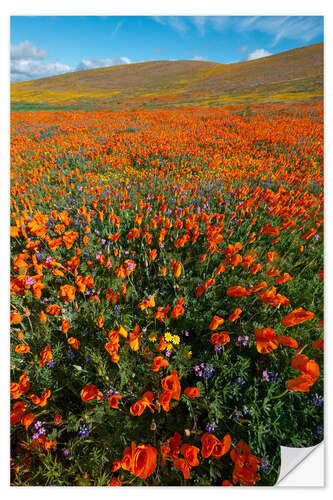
(158, 363)
(221, 338)
(190, 453)
(178, 310)
(199, 291)
(222, 447)
(19, 408)
(283, 279)
(162, 345)
(287, 341)
(65, 325)
(220, 269)
(309, 234)
(113, 400)
(318, 344)
(67, 293)
(309, 373)
(208, 283)
(134, 339)
(57, 419)
(270, 256)
(266, 339)
(146, 401)
(208, 441)
(147, 303)
(296, 317)
(272, 271)
(15, 390)
(42, 317)
(177, 270)
(46, 355)
(153, 254)
(164, 400)
(140, 460)
(100, 321)
(172, 385)
(192, 392)
(24, 382)
(255, 268)
(235, 260)
(15, 317)
(182, 465)
(258, 287)
(237, 291)
(53, 310)
(215, 322)
(73, 342)
(40, 401)
(236, 314)
(69, 238)
(22, 348)
(129, 266)
(225, 482)
(90, 392)
(246, 465)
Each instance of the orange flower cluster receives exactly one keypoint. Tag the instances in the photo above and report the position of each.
(19, 388)
(172, 450)
(113, 345)
(192, 204)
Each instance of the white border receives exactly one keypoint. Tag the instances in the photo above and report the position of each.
(131, 7)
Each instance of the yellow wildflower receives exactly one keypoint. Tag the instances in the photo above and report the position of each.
(152, 337)
(169, 347)
(189, 354)
(168, 336)
(175, 339)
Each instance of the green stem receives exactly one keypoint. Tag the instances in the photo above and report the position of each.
(280, 395)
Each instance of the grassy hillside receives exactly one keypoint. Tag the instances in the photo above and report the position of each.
(295, 75)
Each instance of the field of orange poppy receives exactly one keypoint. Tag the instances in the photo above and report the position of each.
(166, 294)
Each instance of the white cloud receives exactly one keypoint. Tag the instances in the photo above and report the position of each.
(24, 65)
(177, 23)
(302, 28)
(199, 58)
(199, 22)
(258, 54)
(27, 50)
(101, 63)
(23, 69)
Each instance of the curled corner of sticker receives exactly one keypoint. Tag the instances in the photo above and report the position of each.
(292, 457)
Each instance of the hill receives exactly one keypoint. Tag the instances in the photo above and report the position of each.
(291, 76)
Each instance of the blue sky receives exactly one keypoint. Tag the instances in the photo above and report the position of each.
(48, 45)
